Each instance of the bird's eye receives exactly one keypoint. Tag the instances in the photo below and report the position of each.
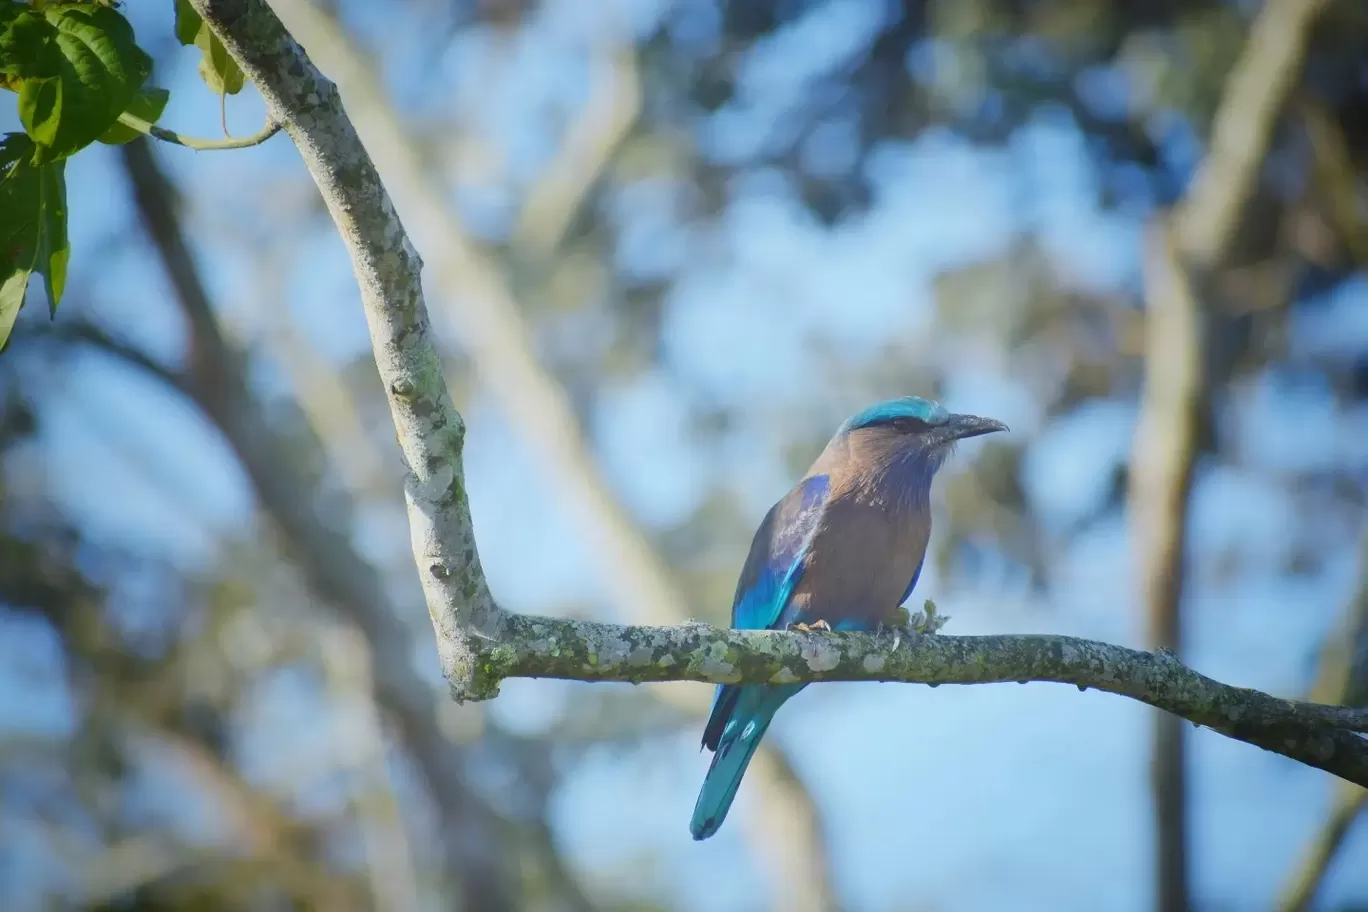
(907, 425)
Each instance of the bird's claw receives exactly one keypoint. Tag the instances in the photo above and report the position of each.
(814, 627)
(923, 622)
(894, 626)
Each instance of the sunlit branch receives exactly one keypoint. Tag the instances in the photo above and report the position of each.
(1327, 737)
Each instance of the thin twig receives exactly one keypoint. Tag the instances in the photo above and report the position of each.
(134, 122)
(97, 338)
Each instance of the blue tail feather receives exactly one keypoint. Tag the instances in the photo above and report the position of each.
(751, 709)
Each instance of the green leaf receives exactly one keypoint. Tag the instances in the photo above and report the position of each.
(40, 108)
(216, 68)
(54, 249)
(14, 148)
(27, 45)
(12, 290)
(69, 97)
(16, 152)
(33, 235)
(148, 105)
(188, 22)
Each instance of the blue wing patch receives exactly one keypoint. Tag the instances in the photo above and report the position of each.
(775, 563)
(771, 573)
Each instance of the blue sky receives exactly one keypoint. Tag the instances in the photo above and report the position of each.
(971, 798)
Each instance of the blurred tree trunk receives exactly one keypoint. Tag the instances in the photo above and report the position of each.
(1161, 478)
(1342, 678)
(1184, 251)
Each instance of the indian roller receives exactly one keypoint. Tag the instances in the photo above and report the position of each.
(842, 550)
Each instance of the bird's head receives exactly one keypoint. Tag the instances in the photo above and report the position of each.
(920, 423)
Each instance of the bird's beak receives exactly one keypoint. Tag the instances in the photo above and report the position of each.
(961, 426)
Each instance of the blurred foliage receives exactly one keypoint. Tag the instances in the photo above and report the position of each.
(1140, 80)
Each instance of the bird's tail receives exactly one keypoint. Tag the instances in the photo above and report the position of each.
(754, 709)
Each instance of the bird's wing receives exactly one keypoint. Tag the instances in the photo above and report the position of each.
(916, 575)
(768, 578)
(775, 562)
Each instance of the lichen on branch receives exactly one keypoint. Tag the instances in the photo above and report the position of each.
(1328, 737)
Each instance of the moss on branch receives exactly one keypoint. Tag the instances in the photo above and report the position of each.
(1327, 737)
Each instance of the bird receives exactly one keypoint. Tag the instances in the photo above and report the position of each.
(842, 550)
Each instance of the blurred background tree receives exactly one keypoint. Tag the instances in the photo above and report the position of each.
(670, 246)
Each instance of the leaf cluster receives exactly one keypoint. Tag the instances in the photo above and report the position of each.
(80, 78)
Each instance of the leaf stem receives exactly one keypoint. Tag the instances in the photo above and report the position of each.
(133, 122)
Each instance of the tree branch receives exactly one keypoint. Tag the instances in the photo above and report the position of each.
(96, 338)
(1257, 89)
(1323, 736)
(540, 647)
(387, 268)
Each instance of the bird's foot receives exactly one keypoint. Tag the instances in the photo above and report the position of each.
(894, 627)
(926, 621)
(814, 627)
